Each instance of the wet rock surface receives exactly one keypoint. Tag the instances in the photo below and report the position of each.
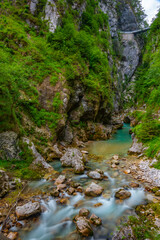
(73, 158)
(84, 212)
(12, 235)
(122, 194)
(95, 220)
(27, 210)
(93, 190)
(61, 179)
(4, 183)
(97, 174)
(83, 226)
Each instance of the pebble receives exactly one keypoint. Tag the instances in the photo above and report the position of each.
(127, 171)
(12, 235)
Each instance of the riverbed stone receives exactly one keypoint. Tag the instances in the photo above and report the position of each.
(4, 183)
(79, 189)
(71, 190)
(73, 158)
(83, 226)
(97, 205)
(122, 194)
(12, 235)
(93, 190)
(61, 186)
(136, 148)
(55, 193)
(61, 179)
(127, 171)
(115, 157)
(27, 210)
(134, 185)
(95, 220)
(96, 174)
(84, 212)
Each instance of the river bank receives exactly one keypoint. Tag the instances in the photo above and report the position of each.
(62, 194)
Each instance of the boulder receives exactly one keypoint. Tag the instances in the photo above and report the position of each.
(38, 159)
(61, 186)
(122, 194)
(115, 157)
(97, 174)
(12, 235)
(4, 183)
(27, 210)
(127, 171)
(55, 193)
(134, 185)
(2, 237)
(95, 220)
(136, 147)
(53, 153)
(70, 190)
(61, 179)
(93, 190)
(73, 158)
(84, 212)
(9, 148)
(83, 226)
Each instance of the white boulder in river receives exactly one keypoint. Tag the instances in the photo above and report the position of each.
(93, 190)
(27, 210)
(96, 174)
(73, 158)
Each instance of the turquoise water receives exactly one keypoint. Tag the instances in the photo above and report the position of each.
(118, 144)
(53, 224)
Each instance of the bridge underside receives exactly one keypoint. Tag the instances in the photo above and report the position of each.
(136, 31)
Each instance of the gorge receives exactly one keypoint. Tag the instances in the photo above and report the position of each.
(80, 129)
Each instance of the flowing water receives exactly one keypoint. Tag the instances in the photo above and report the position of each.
(56, 221)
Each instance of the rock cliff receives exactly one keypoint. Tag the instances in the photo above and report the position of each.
(92, 61)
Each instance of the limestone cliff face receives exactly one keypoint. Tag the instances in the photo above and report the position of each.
(79, 105)
(121, 18)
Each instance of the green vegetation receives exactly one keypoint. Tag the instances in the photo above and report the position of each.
(148, 74)
(29, 55)
(22, 168)
(148, 93)
(147, 131)
(143, 226)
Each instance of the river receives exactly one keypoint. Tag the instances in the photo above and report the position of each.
(56, 221)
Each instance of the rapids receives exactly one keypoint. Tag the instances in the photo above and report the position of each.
(56, 221)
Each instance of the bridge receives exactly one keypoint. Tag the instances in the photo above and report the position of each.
(135, 31)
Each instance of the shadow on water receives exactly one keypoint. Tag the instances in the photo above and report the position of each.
(53, 226)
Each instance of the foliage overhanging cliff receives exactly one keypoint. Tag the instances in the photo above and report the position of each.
(63, 63)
